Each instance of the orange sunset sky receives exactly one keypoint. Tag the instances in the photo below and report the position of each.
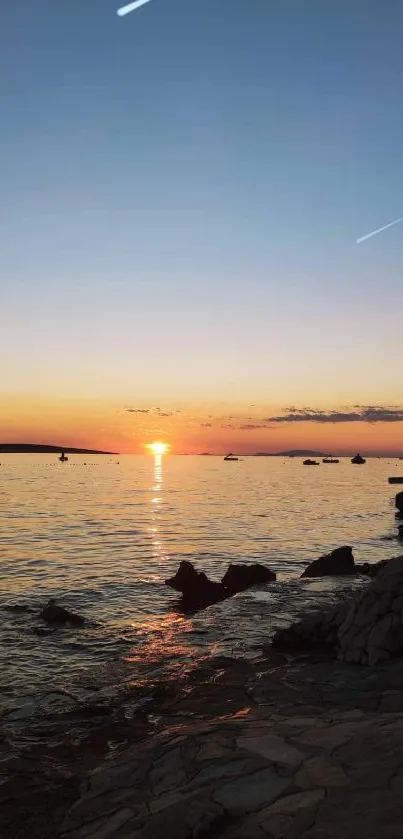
(103, 424)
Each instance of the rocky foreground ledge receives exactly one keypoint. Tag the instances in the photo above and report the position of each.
(300, 751)
(290, 746)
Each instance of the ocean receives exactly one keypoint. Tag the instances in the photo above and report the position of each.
(101, 534)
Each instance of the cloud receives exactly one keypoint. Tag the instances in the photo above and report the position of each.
(252, 426)
(156, 412)
(206, 425)
(368, 414)
(138, 410)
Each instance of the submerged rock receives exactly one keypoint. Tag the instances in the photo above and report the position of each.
(59, 616)
(365, 629)
(240, 577)
(338, 562)
(198, 591)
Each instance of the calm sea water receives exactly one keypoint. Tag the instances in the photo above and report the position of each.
(101, 534)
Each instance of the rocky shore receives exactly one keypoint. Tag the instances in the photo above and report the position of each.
(288, 748)
(291, 746)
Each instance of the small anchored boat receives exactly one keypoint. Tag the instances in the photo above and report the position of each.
(395, 480)
(330, 459)
(309, 462)
(63, 458)
(230, 456)
(358, 459)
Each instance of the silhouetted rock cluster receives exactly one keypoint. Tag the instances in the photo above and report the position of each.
(365, 629)
(198, 591)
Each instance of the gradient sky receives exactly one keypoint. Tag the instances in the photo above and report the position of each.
(181, 194)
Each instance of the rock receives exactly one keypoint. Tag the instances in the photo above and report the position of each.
(338, 562)
(366, 629)
(370, 569)
(400, 533)
(320, 772)
(251, 792)
(399, 504)
(240, 577)
(197, 590)
(59, 616)
(273, 748)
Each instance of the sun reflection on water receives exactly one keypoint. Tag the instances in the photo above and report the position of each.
(157, 500)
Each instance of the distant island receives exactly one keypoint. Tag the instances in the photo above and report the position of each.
(33, 448)
(292, 453)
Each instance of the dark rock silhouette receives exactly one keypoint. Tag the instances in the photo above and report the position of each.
(59, 616)
(399, 504)
(400, 533)
(338, 562)
(198, 591)
(196, 588)
(241, 577)
(371, 569)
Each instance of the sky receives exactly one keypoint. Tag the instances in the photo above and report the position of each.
(182, 190)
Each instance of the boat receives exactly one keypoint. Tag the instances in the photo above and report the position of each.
(330, 459)
(358, 459)
(395, 480)
(230, 457)
(63, 458)
(309, 462)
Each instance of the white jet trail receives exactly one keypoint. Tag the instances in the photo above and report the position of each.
(374, 232)
(125, 10)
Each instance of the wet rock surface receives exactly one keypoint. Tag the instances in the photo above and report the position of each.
(365, 629)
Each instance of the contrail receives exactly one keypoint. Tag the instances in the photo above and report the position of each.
(125, 10)
(374, 232)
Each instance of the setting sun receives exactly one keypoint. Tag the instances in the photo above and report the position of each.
(158, 448)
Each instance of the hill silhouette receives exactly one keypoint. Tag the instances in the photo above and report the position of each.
(34, 448)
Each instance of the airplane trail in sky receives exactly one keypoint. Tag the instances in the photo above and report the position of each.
(379, 230)
(124, 10)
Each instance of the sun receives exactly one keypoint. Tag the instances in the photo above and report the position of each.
(158, 448)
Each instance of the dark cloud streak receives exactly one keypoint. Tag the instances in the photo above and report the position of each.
(368, 414)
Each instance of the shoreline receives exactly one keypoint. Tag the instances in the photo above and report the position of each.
(218, 699)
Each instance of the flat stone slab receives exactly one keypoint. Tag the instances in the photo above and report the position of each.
(339, 780)
(273, 748)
